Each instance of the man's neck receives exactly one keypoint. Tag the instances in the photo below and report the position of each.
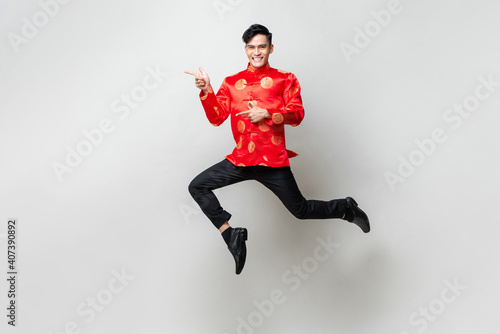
(260, 69)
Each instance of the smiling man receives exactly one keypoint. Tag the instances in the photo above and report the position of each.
(260, 100)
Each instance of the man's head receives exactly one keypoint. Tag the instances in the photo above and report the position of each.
(258, 45)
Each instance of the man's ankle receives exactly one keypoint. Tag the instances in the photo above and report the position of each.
(226, 235)
(224, 227)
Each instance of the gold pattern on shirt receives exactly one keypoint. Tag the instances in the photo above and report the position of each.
(281, 71)
(266, 82)
(216, 110)
(293, 91)
(277, 118)
(241, 126)
(251, 147)
(240, 143)
(263, 126)
(265, 158)
(263, 164)
(240, 84)
(241, 164)
(276, 140)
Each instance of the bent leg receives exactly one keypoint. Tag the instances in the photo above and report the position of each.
(282, 183)
(201, 188)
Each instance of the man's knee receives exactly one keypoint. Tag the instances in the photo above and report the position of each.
(194, 187)
(300, 215)
(299, 212)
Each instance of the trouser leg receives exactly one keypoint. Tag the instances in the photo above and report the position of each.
(201, 188)
(282, 183)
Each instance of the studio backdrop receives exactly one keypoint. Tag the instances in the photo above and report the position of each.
(101, 132)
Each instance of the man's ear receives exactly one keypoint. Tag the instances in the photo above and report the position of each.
(271, 49)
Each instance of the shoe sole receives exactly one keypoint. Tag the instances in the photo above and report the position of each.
(244, 236)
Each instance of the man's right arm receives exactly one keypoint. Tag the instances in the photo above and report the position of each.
(216, 106)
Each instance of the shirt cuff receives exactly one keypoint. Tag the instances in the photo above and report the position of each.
(204, 97)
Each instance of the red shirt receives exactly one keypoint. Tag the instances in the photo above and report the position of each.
(261, 143)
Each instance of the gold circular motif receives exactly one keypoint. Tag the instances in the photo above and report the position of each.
(266, 82)
(276, 140)
(265, 158)
(293, 91)
(277, 118)
(240, 143)
(241, 126)
(240, 84)
(251, 147)
(263, 126)
(263, 164)
(216, 110)
(281, 71)
(241, 165)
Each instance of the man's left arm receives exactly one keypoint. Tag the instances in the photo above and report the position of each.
(293, 112)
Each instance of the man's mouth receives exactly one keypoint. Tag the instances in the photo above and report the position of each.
(257, 59)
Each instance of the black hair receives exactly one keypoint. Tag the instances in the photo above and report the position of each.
(257, 29)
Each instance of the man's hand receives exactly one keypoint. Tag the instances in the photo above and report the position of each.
(202, 81)
(255, 114)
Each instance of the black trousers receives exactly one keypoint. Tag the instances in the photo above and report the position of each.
(279, 180)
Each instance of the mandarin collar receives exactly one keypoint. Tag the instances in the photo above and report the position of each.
(258, 70)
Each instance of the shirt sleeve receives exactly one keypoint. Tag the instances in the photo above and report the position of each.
(217, 107)
(293, 112)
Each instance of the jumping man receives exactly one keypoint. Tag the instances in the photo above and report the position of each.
(261, 100)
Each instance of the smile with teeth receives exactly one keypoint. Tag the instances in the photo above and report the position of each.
(257, 59)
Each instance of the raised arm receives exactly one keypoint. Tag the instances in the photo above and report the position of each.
(216, 107)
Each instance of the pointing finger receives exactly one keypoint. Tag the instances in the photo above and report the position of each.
(243, 113)
(192, 73)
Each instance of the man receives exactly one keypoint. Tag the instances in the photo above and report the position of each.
(260, 101)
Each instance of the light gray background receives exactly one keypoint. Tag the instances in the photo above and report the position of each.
(126, 206)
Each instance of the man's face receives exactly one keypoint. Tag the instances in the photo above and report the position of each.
(258, 51)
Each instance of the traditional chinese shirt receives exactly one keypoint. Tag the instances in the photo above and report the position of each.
(261, 143)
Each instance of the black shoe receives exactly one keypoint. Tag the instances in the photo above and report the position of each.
(360, 218)
(238, 248)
